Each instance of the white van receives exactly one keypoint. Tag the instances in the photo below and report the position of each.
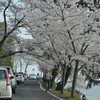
(12, 78)
(5, 85)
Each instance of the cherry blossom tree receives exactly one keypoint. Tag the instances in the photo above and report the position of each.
(67, 31)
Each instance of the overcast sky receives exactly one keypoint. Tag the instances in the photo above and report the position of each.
(30, 69)
(1, 17)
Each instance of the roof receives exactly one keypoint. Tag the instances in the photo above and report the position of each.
(5, 66)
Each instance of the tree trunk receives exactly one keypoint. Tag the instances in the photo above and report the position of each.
(74, 79)
(26, 67)
(67, 74)
(54, 74)
(59, 86)
(63, 81)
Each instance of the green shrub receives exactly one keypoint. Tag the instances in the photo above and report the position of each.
(7, 61)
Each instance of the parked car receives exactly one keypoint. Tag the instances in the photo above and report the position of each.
(21, 73)
(21, 78)
(32, 76)
(12, 78)
(18, 80)
(5, 85)
(25, 76)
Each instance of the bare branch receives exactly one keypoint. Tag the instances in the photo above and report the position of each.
(73, 27)
(82, 66)
(4, 14)
(55, 50)
(11, 53)
(84, 49)
(11, 31)
(72, 41)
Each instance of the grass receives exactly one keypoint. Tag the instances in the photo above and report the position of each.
(66, 95)
(41, 81)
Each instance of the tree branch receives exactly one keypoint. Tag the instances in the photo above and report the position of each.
(84, 49)
(4, 14)
(72, 41)
(73, 27)
(10, 32)
(11, 53)
(81, 67)
(55, 50)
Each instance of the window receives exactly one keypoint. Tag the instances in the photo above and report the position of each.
(2, 74)
(9, 71)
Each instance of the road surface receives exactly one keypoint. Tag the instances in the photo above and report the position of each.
(31, 90)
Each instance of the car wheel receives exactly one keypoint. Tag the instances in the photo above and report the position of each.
(18, 83)
(13, 90)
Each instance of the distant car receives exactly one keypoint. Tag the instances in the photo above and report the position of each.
(5, 85)
(12, 78)
(18, 80)
(32, 76)
(25, 76)
(21, 78)
(21, 73)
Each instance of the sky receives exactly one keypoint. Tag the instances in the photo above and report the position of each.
(25, 34)
(30, 69)
(1, 17)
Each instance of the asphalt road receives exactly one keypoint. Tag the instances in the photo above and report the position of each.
(31, 90)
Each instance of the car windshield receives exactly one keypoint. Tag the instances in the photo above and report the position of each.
(20, 74)
(25, 74)
(16, 75)
(3, 74)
